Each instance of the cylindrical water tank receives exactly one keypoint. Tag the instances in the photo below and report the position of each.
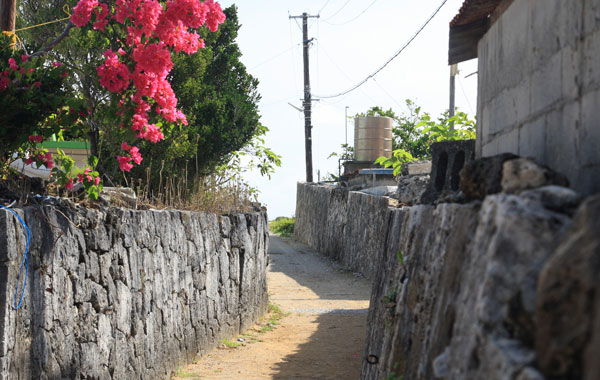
(372, 137)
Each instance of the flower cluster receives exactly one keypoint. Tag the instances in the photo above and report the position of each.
(22, 76)
(133, 154)
(87, 176)
(139, 70)
(36, 139)
(89, 179)
(41, 159)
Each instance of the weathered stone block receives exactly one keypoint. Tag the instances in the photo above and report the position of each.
(568, 303)
(417, 168)
(523, 173)
(411, 188)
(448, 158)
(483, 176)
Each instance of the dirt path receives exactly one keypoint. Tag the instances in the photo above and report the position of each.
(323, 335)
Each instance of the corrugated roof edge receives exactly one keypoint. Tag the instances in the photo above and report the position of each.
(474, 10)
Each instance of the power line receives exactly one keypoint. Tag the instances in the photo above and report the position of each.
(465, 94)
(389, 60)
(387, 93)
(274, 57)
(323, 7)
(354, 18)
(293, 58)
(345, 75)
(338, 11)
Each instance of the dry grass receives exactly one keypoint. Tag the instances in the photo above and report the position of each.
(210, 194)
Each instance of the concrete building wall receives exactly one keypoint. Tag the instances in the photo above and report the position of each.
(539, 87)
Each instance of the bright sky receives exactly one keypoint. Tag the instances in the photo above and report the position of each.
(352, 39)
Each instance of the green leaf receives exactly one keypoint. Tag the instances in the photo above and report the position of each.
(92, 161)
(400, 256)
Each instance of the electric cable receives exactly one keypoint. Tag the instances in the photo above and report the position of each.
(323, 7)
(24, 262)
(273, 57)
(338, 11)
(354, 18)
(387, 93)
(345, 75)
(389, 60)
(465, 94)
(293, 59)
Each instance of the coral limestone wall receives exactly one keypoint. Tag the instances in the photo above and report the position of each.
(123, 294)
(506, 288)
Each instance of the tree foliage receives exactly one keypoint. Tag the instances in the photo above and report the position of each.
(414, 132)
(218, 96)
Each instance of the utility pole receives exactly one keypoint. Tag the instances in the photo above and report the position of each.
(453, 72)
(8, 11)
(307, 103)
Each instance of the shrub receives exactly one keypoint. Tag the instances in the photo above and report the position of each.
(282, 226)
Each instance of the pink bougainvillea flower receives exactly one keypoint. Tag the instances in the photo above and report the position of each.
(112, 74)
(124, 164)
(152, 29)
(97, 181)
(82, 12)
(13, 64)
(101, 12)
(4, 82)
(135, 155)
(69, 184)
(34, 138)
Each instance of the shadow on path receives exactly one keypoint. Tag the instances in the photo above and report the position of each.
(326, 278)
(334, 351)
(332, 301)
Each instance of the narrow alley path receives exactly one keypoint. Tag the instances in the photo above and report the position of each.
(323, 335)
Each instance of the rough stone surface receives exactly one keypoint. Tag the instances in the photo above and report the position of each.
(380, 191)
(345, 225)
(483, 176)
(411, 188)
(119, 196)
(568, 303)
(524, 173)
(417, 167)
(124, 294)
(464, 301)
(504, 288)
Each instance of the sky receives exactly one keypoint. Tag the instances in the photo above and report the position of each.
(352, 39)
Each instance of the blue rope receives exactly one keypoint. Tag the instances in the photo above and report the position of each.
(24, 262)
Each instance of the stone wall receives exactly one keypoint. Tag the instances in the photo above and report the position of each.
(539, 87)
(347, 226)
(506, 288)
(124, 294)
(483, 289)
